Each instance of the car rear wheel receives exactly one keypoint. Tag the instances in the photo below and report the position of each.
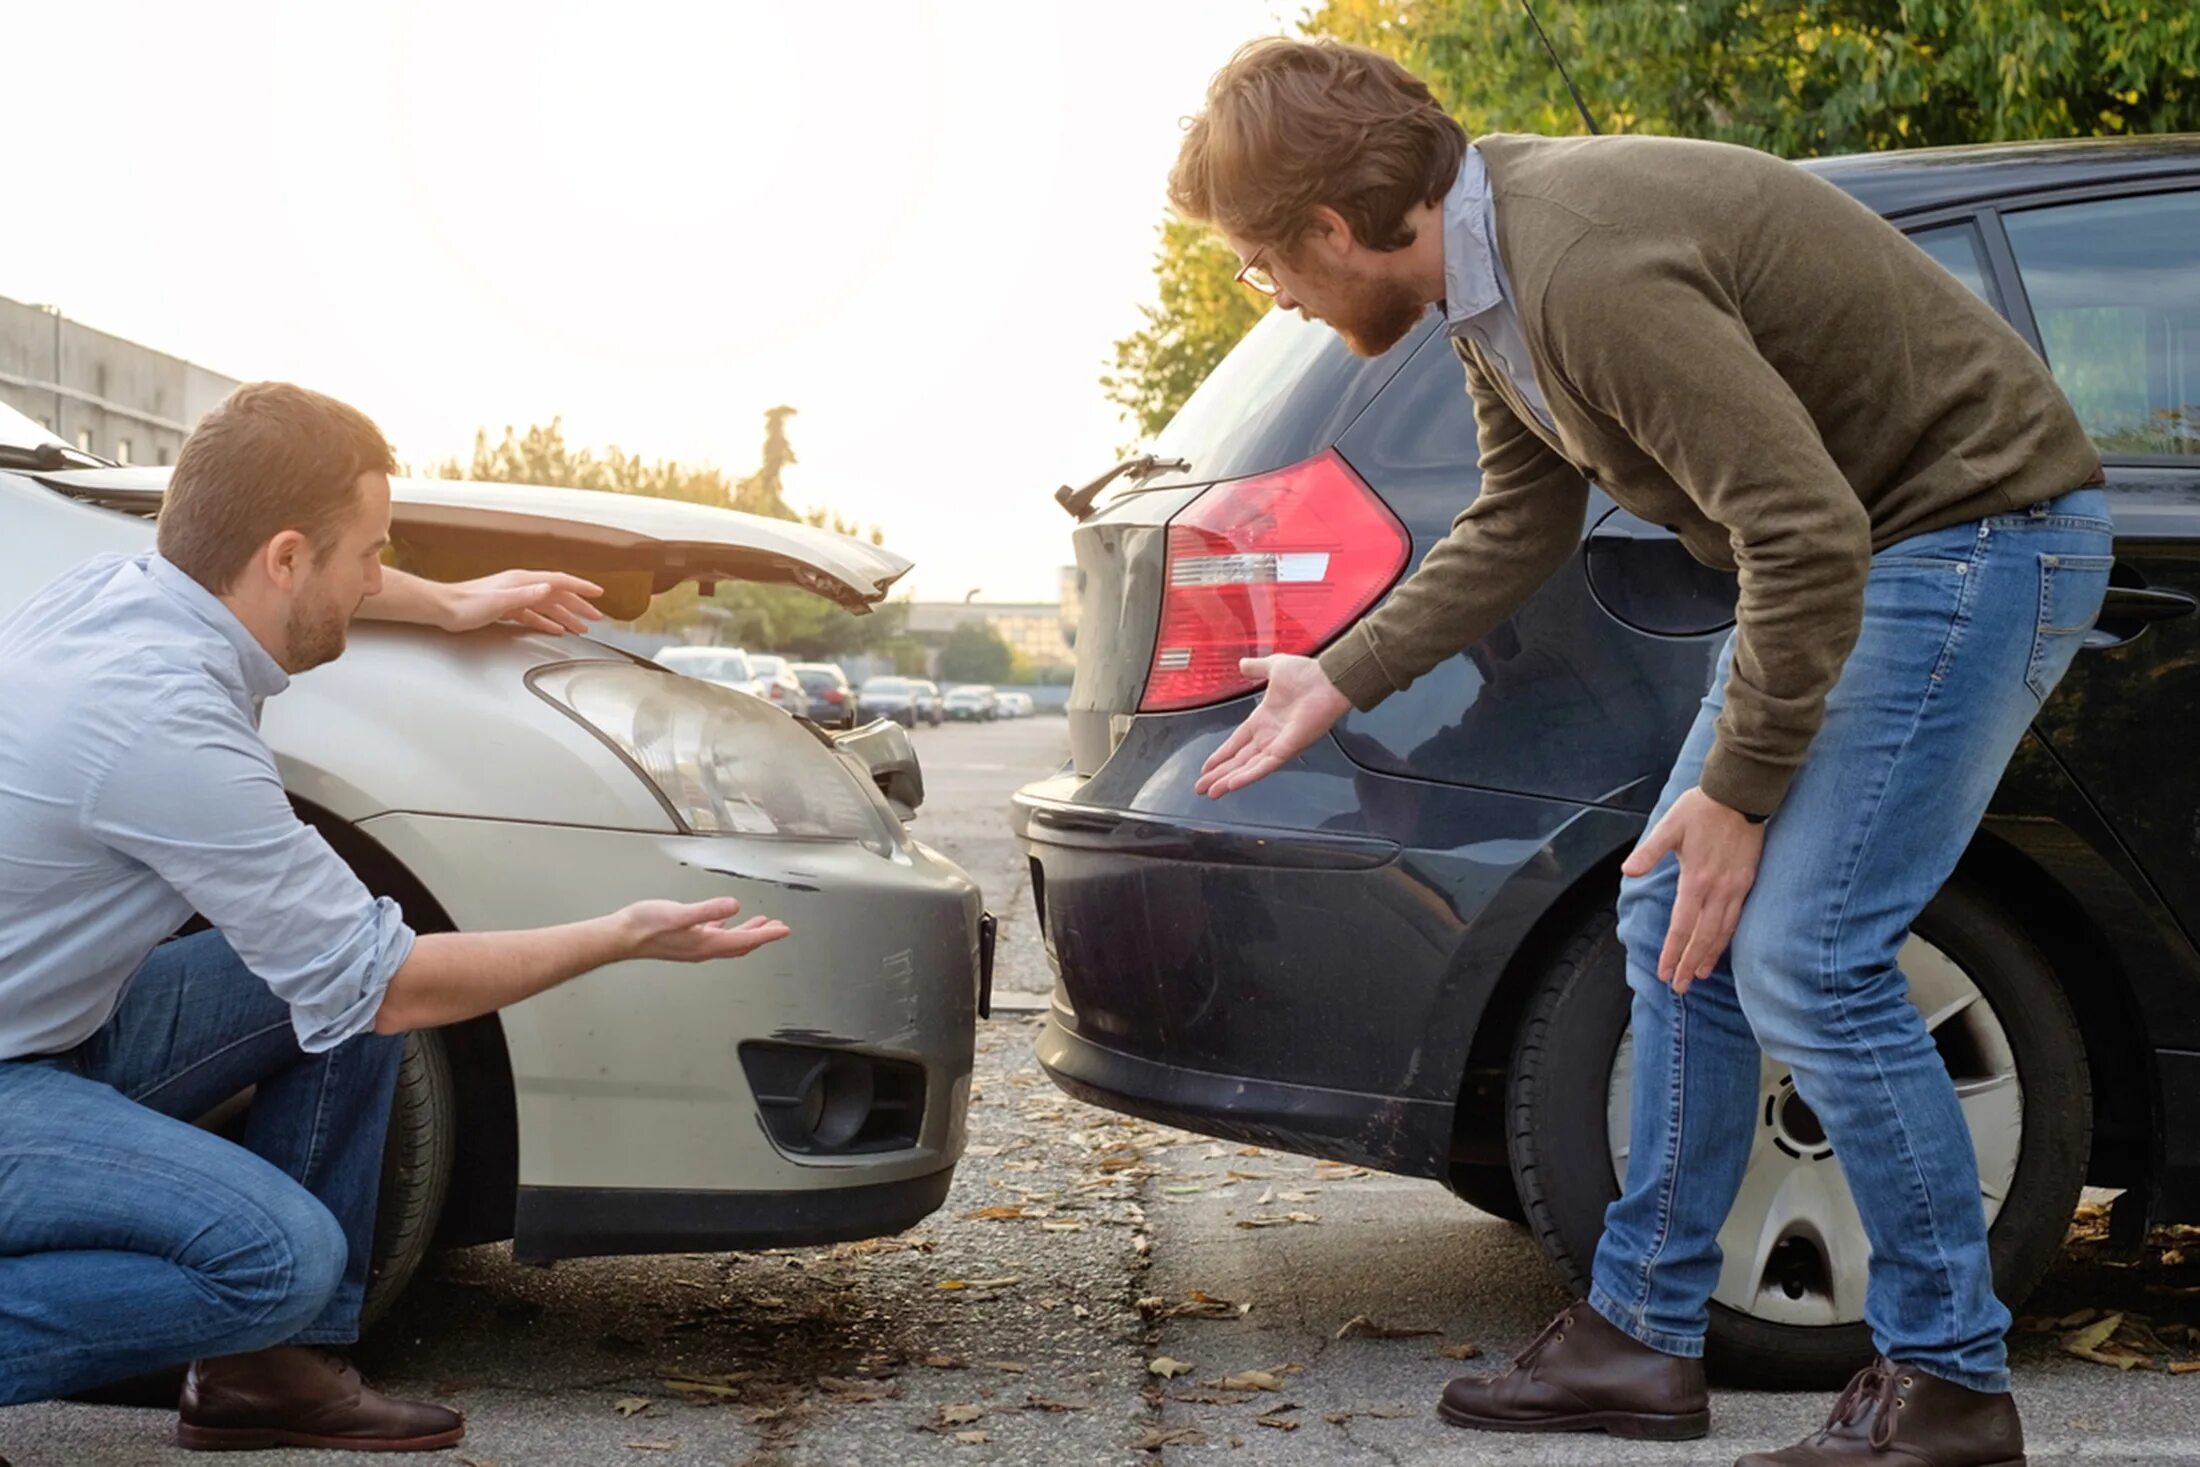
(1788, 1309)
(416, 1170)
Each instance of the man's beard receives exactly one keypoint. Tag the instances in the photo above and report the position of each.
(314, 635)
(1377, 316)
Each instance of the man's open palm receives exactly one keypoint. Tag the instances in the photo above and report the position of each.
(1301, 705)
(695, 932)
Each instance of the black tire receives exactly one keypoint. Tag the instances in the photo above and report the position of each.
(1557, 1130)
(1488, 1188)
(416, 1170)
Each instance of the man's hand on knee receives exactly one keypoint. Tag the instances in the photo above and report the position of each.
(1718, 848)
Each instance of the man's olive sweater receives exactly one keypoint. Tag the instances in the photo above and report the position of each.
(1732, 347)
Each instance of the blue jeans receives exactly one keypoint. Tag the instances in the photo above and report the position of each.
(131, 1240)
(1965, 632)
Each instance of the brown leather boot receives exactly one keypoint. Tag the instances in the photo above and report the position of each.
(1584, 1374)
(294, 1396)
(1897, 1416)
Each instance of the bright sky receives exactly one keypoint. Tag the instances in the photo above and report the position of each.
(920, 222)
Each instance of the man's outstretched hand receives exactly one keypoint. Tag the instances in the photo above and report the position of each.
(695, 932)
(1301, 705)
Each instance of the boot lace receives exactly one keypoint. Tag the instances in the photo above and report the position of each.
(1551, 1332)
(1873, 1389)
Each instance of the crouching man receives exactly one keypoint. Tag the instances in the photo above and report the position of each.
(135, 790)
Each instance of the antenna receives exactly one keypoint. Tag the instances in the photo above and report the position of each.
(1586, 120)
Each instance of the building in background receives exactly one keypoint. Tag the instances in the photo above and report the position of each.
(105, 395)
(1034, 630)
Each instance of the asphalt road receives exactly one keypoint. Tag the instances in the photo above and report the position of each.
(1009, 1329)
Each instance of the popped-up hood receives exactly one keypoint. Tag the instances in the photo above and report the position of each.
(636, 546)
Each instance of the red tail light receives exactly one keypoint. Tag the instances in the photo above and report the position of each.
(1280, 562)
(835, 695)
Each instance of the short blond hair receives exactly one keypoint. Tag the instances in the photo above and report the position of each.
(1290, 126)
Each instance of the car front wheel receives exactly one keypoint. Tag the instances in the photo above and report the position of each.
(1788, 1309)
(416, 1170)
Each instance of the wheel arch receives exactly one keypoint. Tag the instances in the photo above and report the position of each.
(484, 1186)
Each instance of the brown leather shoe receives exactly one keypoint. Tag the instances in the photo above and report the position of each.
(1584, 1374)
(1897, 1416)
(292, 1396)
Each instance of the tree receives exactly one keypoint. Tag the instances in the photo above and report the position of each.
(1800, 78)
(1201, 314)
(781, 618)
(975, 653)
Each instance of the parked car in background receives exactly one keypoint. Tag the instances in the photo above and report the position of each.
(778, 685)
(973, 703)
(889, 697)
(1016, 705)
(928, 701)
(728, 667)
(1398, 951)
(832, 700)
(505, 779)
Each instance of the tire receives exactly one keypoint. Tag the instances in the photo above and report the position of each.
(1488, 1188)
(1559, 1134)
(416, 1170)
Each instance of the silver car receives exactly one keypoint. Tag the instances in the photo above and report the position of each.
(505, 779)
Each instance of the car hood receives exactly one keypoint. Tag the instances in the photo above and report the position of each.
(635, 545)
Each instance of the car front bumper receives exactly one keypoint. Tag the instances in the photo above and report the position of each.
(639, 1118)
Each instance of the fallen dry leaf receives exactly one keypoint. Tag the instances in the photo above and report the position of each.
(2183, 1367)
(653, 1446)
(1278, 1220)
(2082, 1316)
(1013, 1367)
(994, 1214)
(1211, 1398)
(1337, 1418)
(2093, 1335)
(1166, 1368)
(974, 1438)
(1360, 1327)
(944, 1362)
(857, 1392)
(1458, 1352)
(961, 1415)
(1248, 1380)
(717, 1390)
(1072, 1226)
(1280, 1423)
(1042, 1403)
(1007, 1283)
(1183, 1436)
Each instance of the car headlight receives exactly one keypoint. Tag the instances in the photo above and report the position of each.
(725, 763)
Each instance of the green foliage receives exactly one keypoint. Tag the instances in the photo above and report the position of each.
(975, 653)
(1795, 77)
(761, 618)
(1201, 313)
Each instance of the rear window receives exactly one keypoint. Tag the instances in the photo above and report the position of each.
(818, 677)
(1283, 394)
(2115, 286)
(768, 666)
(886, 685)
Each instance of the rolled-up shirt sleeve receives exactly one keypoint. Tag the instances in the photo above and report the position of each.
(197, 798)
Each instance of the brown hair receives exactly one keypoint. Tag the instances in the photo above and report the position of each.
(1291, 125)
(272, 457)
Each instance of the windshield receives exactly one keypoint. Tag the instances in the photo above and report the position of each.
(1283, 394)
(18, 431)
(880, 685)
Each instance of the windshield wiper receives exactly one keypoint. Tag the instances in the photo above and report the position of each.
(50, 457)
(1079, 501)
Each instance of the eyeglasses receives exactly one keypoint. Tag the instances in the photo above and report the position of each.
(1254, 275)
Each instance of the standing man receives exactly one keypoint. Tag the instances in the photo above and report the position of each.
(1734, 349)
(134, 791)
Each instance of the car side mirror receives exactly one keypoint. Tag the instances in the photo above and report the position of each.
(884, 750)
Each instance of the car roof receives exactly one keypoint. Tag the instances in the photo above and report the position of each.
(1912, 179)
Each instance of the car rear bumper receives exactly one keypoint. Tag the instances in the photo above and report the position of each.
(1303, 965)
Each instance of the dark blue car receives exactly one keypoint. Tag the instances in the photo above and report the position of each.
(1398, 951)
